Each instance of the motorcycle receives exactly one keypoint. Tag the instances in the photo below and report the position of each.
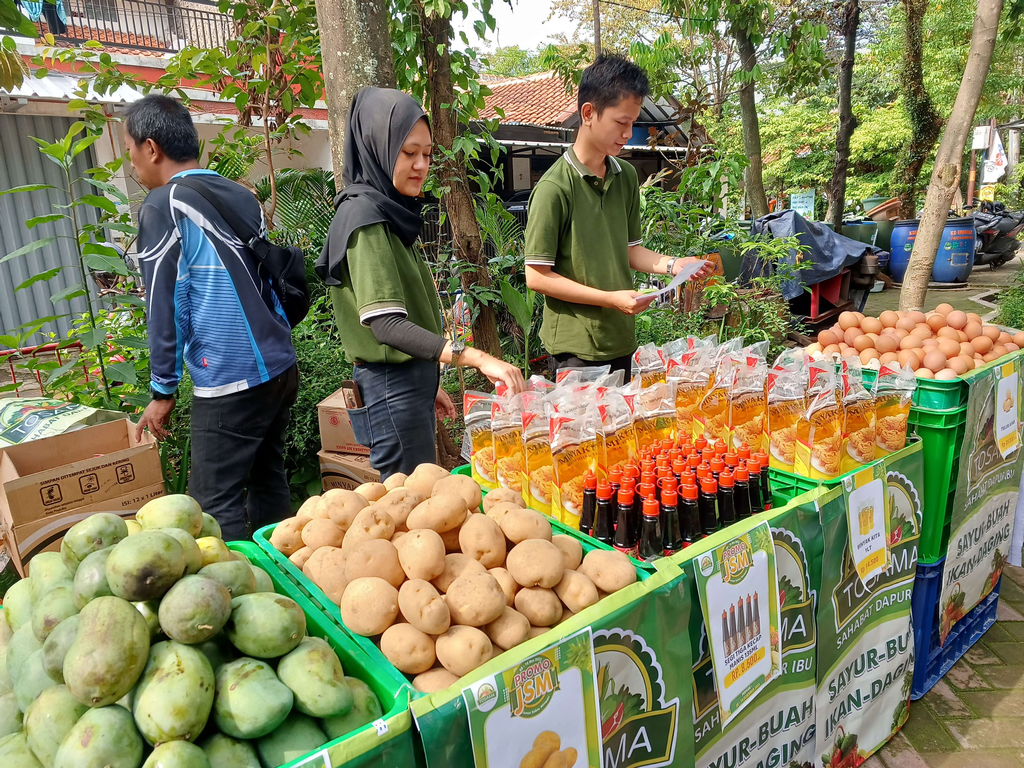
(997, 230)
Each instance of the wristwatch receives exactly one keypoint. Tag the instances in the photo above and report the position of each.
(160, 395)
(671, 266)
(458, 347)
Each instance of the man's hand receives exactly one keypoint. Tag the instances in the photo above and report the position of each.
(155, 418)
(443, 406)
(705, 271)
(629, 302)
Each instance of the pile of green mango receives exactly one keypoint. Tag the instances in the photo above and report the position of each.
(149, 643)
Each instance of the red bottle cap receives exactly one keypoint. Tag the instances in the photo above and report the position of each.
(704, 470)
(690, 492)
(708, 485)
(731, 459)
(688, 477)
(666, 444)
(744, 451)
(700, 443)
(668, 483)
(664, 472)
(717, 464)
(669, 497)
(742, 475)
(762, 458)
(707, 455)
(615, 475)
(648, 490)
(647, 478)
(753, 466)
(647, 465)
(726, 479)
(662, 460)
(626, 495)
(693, 460)
(651, 507)
(589, 481)
(678, 465)
(630, 472)
(628, 482)
(685, 448)
(720, 448)
(604, 489)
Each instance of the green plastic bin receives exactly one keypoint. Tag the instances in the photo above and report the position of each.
(386, 742)
(931, 393)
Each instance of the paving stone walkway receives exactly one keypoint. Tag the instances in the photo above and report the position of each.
(974, 716)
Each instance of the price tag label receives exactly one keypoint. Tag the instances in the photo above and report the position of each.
(1007, 396)
(867, 516)
(381, 726)
(321, 759)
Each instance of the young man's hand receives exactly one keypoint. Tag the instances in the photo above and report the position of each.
(705, 271)
(155, 418)
(443, 406)
(629, 302)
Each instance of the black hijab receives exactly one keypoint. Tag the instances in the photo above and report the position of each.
(379, 122)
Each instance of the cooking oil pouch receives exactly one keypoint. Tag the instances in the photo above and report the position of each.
(610, 380)
(616, 440)
(476, 412)
(819, 432)
(538, 474)
(711, 416)
(573, 434)
(894, 391)
(748, 407)
(507, 433)
(538, 383)
(787, 402)
(654, 419)
(586, 375)
(649, 365)
(858, 417)
(690, 363)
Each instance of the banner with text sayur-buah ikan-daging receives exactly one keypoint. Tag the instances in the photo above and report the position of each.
(985, 501)
(865, 640)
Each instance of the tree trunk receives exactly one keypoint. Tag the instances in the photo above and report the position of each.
(356, 49)
(467, 244)
(751, 129)
(925, 123)
(946, 174)
(847, 122)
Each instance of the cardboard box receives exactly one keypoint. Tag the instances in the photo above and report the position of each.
(48, 485)
(336, 433)
(345, 470)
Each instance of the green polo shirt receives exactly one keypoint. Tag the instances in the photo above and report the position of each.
(380, 275)
(583, 227)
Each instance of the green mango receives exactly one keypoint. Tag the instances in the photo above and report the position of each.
(18, 602)
(226, 752)
(250, 701)
(48, 720)
(210, 527)
(16, 753)
(177, 754)
(241, 557)
(91, 578)
(218, 651)
(263, 580)
(10, 715)
(295, 737)
(6, 684)
(56, 647)
(32, 680)
(189, 549)
(265, 625)
(23, 644)
(109, 652)
(365, 710)
(174, 511)
(144, 566)
(96, 532)
(314, 674)
(195, 609)
(175, 694)
(150, 612)
(6, 631)
(104, 737)
(236, 575)
(46, 570)
(133, 527)
(52, 608)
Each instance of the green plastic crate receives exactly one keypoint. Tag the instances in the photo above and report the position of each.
(386, 742)
(933, 394)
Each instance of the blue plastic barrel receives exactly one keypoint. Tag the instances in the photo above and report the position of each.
(955, 259)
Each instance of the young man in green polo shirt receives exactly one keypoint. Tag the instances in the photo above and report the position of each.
(583, 237)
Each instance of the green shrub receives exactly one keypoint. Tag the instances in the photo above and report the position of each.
(1011, 303)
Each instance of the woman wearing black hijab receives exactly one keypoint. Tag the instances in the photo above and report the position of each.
(385, 302)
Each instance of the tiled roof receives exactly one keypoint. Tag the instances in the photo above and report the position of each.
(112, 41)
(538, 99)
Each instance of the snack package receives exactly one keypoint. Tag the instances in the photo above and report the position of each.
(507, 432)
(858, 417)
(748, 407)
(538, 477)
(711, 416)
(616, 440)
(690, 363)
(654, 419)
(573, 433)
(587, 375)
(894, 391)
(787, 402)
(476, 411)
(649, 366)
(819, 432)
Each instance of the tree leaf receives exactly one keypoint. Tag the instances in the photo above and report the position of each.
(41, 277)
(73, 291)
(35, 221)
(33, 246)
(123, 372)
(93, 337)
(99, 202)
(26, 188)
(83, 144)
(100, 263)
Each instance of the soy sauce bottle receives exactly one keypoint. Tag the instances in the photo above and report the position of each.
(589, 503)
(707, 501)
(741, 492)
(726, 499)
(625, 541)
(651, 547)
(766, 486)
(671, 529)
(603, 523)
(754, 487)
(689, 515)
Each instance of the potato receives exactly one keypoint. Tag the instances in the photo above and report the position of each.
(461, 485)
(577, 591)
(481, 538)
(422, 606)
(451, 539)
(421, 554)
(376, 557)
(287, 536)
(397, 535)
(300, 556)
(498, 511)
(423, 478)
(609, 570)
(440, 513)
(537, 631)
(396, 480)
(507, 583)
(545, 746)
(508, 630)
(541, 606)
(462, 649)
(322, 533)
(475, 599)
(502, 496)
(536, 563)
(522, 524)
(342, 506)
(326, 568)
(434, 680)
(370, 523)
(572, 550)
(455, 565)
(308, 509)
(399, 503)
(369, 606)
(372, 491)
(408, 649)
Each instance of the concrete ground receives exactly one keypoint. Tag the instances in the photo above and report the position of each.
(974, 716)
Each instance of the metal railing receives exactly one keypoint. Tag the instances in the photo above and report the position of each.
(9, 356)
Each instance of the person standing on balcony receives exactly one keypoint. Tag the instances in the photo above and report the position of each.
(385, 301)
(211, 307)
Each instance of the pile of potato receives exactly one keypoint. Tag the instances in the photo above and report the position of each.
(443, 589)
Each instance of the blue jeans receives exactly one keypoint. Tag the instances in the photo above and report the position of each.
(397, 417)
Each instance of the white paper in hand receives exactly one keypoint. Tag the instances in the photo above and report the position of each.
(688, 271)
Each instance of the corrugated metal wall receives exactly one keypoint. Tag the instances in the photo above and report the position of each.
(22, 163)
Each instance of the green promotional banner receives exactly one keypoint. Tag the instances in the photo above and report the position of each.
(865, 641)
(642, 686)
(986, 493)
(777, 728)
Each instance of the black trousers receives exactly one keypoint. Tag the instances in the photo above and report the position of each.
(566, 360)
(237, 472)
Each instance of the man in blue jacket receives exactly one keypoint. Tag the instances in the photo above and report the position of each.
(210, 306)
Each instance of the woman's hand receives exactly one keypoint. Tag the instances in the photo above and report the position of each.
(705, 271)
(629, 302)
(443, 406)
(498, 370)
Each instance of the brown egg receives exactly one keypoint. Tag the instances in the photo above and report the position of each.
(956, 319)
(867, 355)
(1004, 337)
(948, 347)
(991, 356)
(901, 333)
(900, 314)
(844, 348)
(830, 349)
(888, 357)
(972, 329)
(971, 364)
(837, 329)
(859, 316)
(1018, 339)
(973, 318)
(906, 324)
(916, 316)
(948, 333)
(924, 373)
(827, 337)
(982, 344)
(887, 343)
(999, 350)
(946, 374)
(1011, 346)
(889, 318)
(863, 342)
(847, 320)
(911, 342)
(851, 335)
(991, 331)
(966, 349)
(922, 332)
(934, 361)
(935, 322)
(871, 325)
(906, 357)
(929, 342)
(961, 336)
(958, 365)
(978, 359)
(944, 309)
